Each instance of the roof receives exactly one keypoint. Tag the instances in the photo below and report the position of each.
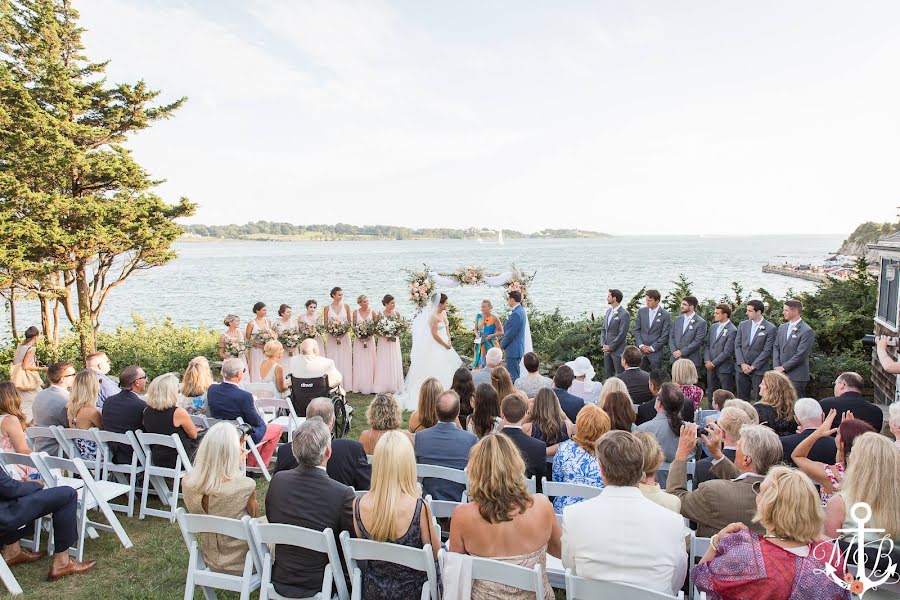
(889, 243)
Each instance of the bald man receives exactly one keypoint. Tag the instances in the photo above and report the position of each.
(309, 365)
(445, 445)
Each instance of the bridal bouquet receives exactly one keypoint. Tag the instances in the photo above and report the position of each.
(289, 337)
(421, 285)
(469, 275)
(234, 347)
(262, 336)
(307, 330)
(338, 329)
(364, 330)
(391, 328)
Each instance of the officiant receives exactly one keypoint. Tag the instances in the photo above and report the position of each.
(488, 331)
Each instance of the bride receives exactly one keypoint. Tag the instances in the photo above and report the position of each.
(432, 354)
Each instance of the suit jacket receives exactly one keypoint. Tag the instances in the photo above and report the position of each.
(570, 403)
(718, 502)
(862, 409)
(49, 408)
(646, 412)
(228, 401)
(690, 342)
(638, 383)
(480, 376)
(534, 452)
(702, 471)
(792, 350)
(12, 503)
(304, 366)
(655, 334)
(306, 497)
(756, 352)
(598, 540)
(720, 347)
(616, 330)
(445, 445)
(348, 463)
(513, 340)
(823, 451)
(121, 413)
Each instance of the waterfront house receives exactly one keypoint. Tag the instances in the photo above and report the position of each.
(886, 314)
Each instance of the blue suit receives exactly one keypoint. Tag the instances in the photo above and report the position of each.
(228, 402)
(444, 445)
(513, 340)
(22, 502)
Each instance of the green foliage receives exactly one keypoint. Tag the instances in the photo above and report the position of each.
(672, 301)
(869, 232)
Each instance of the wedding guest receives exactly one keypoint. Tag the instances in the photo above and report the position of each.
(666, 425)
(795, 340)
(98, 362)
(745, 406)
(753, 350)
(363, 349)
(388, 359)
(383, 414)
(216, 487)
(285, 322)
(25, 372)
(445, 445)
(256, 326)
(620, 410)
(651, 331)
(614, 333)
(787, 556)
(894, 421)
(271, 371)
(502, 382)
(611, 385)
(339, 349)
(809, 416)
(485, 416)
(635, 379)
(165, 417)
(720, 351)
(393, 511)
(425, 415)
(576, 459)
(653, 460)
(512, 411)
(310, 365)
(688, 333)
(465, 388)
(583, 386)
(49, 406)
(549, 423)
(718, 399)
(599, 534)
(730, 421)
(513, 340)
(82, 410)
(684, 375)
(194, 383)
(647, 410)
(848, 396)
(776, 404)
(309, 318)
(488, 329)
(12, 429)
(532, 382)
(493, 359)
(562, 381)
(228, 401)
(124, 412)
(232, 343)
(502, 520)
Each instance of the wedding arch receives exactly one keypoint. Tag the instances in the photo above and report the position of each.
(423, 283)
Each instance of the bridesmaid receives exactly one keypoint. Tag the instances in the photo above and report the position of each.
(363, 351)
(388, 360)
(488, 328)
(310, 319)
(339, 350)
(233, 322)
(285, 322)
(257, 324)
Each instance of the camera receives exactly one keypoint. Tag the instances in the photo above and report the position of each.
(869, 341)
(244, 429)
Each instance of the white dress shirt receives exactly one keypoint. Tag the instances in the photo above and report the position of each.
(687, 320)
(754, 326)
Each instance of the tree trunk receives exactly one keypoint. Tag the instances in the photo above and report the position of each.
(85, 325)
(45, 316)
(55, 339)
(12, 313)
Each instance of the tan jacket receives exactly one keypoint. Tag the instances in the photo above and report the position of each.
(717, 502)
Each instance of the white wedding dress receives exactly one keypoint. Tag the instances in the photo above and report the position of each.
(428, 358)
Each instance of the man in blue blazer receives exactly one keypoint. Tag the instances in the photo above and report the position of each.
(445, 445)
(513, 340)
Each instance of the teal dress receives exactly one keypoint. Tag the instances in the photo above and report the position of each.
(484, 328)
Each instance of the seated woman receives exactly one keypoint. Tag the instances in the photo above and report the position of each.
(576, 459)
(787, 561)
(164, 416)
(666, 425)
(383, 415)
(611, 386)
(196, 381)
(485, 416)
(776, 405)
(620, 409)
(425, 415)
(271, 370)
(532, 382)
(82, 410)
(684, 375)
(503, 521)
(548, 422)
(653, 460)
(393, 511)
(465, 389)
(216, 487)
(12, 429)
(502, 382)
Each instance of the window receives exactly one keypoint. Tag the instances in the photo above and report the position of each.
(887, 291)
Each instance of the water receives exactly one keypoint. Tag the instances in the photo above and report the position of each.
(210, 279)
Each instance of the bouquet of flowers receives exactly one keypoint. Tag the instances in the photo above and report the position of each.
(338, 329)
(469, 275)
(364, 330)
(262, 336)
(289, 337)
(421, 285)
(306, 330)
(391, 328)
(234, 347)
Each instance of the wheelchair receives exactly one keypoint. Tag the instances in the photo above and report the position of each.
(303, 391)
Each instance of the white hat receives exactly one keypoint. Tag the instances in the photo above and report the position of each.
(581, 366)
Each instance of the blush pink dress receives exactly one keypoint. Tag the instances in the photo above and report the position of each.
(312, 321)
(256, 355)
(341, 354)
(364, 360)
(289, 353)
(388, 366)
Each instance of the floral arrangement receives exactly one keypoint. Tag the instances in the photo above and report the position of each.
(289, 337)
(234, 347)
(391, 328)
(307, 330)
(519, 282)
(421, 286)
(364, 329)
(469, 275)
(335, 328)
(261, 337)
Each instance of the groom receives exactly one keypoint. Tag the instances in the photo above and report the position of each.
(513, 340)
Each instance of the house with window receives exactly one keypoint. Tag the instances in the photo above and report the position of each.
(886, 318)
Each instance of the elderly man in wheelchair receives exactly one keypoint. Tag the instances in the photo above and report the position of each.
(314, 376)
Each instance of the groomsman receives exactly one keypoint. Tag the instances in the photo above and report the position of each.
(753, 351)
(651, 331)
(720, 352)
(614, 333)
(688, 334)
(792, 346)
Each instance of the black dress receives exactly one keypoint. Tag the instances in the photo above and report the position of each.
(769, 418)
(162, 422)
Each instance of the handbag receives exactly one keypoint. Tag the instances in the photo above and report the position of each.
(25, 381)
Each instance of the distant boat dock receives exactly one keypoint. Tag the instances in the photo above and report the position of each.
(800, 272)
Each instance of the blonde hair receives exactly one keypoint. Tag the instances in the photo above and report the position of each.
(360, 298)
(497, 479)
(788, 506)
(502, 382)
(488, 302)
(780, 394)
(684, 372)
(162, 393)
(85, 390)
(197, 377)
(218, 460)
(745, 406)
(393, 474)
(272, 348)
(384, 413)
(731, 419)
(613, 384)
(429, 393)
(653, 454)
(872, 477)
(11, 402)
(591, 424)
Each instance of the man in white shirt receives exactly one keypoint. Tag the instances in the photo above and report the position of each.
(620, 535)
(309, 365)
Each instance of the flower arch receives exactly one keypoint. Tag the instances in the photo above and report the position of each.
(423, 283)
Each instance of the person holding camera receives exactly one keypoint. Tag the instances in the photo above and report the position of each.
(887, 363)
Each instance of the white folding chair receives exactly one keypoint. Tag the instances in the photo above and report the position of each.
(70, 449)
(200, 421)
(529, 580)
(288, 422)
(198, 574)
(126, 473)
(662, 474)
(33, 434)
(263, 535)
(182, 466)
(413, 558)
(699, 546)
(370, 458)
(91, 495)
(531, 484)
(579, 588)
(259, 389)
(441, 509)
(9, 580)
(7, 460)
(459, 476)
(578, 490)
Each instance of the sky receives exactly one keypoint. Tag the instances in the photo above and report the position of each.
(638, 117)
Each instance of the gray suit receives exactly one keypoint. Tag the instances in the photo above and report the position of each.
(445, 445)
(720, 352)
(791, 352)
(757, 353)
(49, 408)
(655, 335)
(615, 330)
(480, 376)
(689, 341)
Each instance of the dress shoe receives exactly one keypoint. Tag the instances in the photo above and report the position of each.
(73, 568)
(24, 556)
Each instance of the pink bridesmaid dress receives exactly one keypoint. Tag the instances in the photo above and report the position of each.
(257, 356)
(364, 360)
(341, 354)
(388, 366)
(314, 322)
(242, 355)
(289, 353)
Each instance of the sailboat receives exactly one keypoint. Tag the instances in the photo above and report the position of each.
(500, 237)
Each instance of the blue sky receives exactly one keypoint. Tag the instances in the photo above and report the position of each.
(625, 117)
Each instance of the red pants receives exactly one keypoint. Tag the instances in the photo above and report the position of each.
(267, 445)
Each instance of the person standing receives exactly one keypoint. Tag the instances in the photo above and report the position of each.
(339, 349)
(793, 345)
(753, 350)
(513, 340)
(720, 352)
(688, 332)
(285, 322)
(309, 318)
(388, 359)
(363, 350)
(487, 329)
(651, 331)
(614, 334)
(256, 325)
(25, 372)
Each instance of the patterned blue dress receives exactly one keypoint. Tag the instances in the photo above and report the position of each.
(573, 465)
(86, 448)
